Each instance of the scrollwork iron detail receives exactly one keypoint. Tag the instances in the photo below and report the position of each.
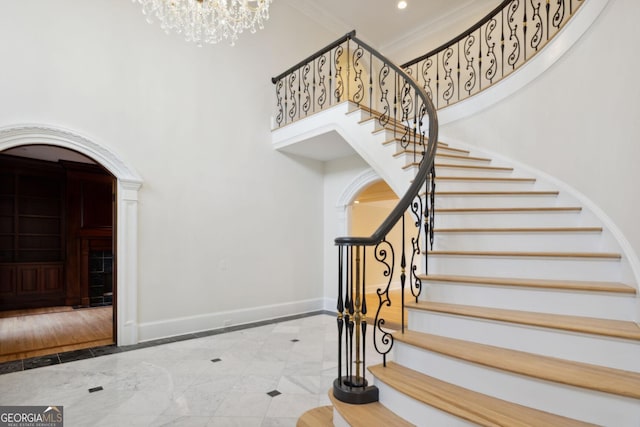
(306, 105)
(322, 86)
(447, 95)
(293, 106)
(536, 39)
(514, 56)
(418, 214)
(406, 108)
(384, 93)
(279, 106)
(358, 95)
(426, 65)
(558, 16)
(470, 84)
(339, 90)
(491, 54)
(382, 339)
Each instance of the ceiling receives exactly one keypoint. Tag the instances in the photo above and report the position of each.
(382, 24)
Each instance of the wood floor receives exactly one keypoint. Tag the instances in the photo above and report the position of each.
(30, 333)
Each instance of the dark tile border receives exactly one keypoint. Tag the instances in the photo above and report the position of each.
(71, 356)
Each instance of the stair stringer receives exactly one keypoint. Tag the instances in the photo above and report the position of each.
(613, 240)
(574, 402)
(344, 119)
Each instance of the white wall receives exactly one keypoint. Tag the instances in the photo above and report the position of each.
(579, 120)
(225, 222)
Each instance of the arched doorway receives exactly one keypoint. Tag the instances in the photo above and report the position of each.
(364, 204)
(127, 183)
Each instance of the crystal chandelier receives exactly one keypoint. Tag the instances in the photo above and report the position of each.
(207, 21)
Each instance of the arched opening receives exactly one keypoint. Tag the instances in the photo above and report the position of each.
(126, 185)
(367, 202)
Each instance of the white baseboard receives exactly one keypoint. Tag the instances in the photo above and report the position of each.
(148, 331)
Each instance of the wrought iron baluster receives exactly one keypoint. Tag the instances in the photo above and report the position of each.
(514, 56)
(339, 90)
(370, 81)
(403, 273)
(427, 64)
(322, 98)
(418, 214)
(358, 96)
(382, 339)
(536, 39)
(340, 308)
(449, 92)
(279, 106)
(314, 88)
(524, 29)
(471, 82)
(558, 16)
(384, 96)
(491, 54)
(437, 101)
(292, 92)
(306, 106)
(299, 112)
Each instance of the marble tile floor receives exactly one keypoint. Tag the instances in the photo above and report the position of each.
(267, 375)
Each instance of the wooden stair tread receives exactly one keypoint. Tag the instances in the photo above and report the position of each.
(574, 285)
(587, 325)
(367, 415)
(441, 145)
(321, 416)
(443, 156)
(439, 154)
(512, 209)
(520, 230)
(578, 374)
(464, 403)
(591, 255)
(463, 166)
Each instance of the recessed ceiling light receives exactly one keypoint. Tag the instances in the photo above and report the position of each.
(402, 4)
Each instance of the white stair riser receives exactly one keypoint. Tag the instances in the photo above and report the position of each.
(415, 412)
(506, 201)
(594, 349)
(526, 267)
(453, 171)
(445, 150)
(568, 401)
(462, 159)
(572, 303)
(515, 241)
(507, 219)
(454, 185)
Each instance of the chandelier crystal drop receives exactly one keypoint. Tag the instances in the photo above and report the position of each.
(207, 21)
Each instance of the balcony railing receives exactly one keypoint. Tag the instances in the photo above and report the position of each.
(491, 50)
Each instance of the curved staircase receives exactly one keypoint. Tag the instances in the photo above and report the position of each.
(527, 315)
